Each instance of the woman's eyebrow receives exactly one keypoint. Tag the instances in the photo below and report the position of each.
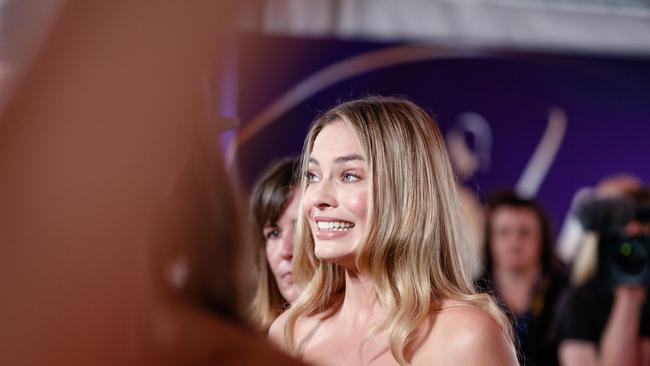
(341, 159)
(346, 158)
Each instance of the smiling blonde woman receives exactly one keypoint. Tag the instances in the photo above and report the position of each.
(382, 226)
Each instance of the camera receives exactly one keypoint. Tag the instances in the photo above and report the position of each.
(622, 258)
(625, 259)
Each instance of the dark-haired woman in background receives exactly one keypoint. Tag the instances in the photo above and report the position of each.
(524, 272)
(274, 207)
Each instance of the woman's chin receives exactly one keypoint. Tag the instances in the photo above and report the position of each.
(290, 295)
(344, 259)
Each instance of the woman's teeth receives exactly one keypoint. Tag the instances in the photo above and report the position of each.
(334, 225)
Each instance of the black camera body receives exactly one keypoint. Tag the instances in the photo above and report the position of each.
(622, 259)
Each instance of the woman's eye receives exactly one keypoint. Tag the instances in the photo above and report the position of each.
(311, 177)
(273, 234)
(350, 177)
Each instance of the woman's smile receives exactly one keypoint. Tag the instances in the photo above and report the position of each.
(332, 228)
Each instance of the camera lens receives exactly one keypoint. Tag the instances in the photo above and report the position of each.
(631, 257)
(628, 260)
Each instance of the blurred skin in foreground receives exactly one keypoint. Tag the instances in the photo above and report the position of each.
(116, 220)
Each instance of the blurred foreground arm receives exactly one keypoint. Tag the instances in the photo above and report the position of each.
(110, 171)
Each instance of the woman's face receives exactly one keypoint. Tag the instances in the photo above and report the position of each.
(279, 249)
(335, 201)
(516, 238)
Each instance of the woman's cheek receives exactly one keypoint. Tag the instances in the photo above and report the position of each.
(357, 203)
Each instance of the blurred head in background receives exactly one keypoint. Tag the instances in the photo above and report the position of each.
(519, 236)
(274, 209)
(620, 206)
(640, 223)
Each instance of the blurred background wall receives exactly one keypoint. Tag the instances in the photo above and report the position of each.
(545, 96)
(620, 26)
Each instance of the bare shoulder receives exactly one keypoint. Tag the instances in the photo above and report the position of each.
(465, 334)
(304, 326)
(276, 331)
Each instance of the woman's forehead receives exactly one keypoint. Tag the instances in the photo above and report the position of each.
(336, 139)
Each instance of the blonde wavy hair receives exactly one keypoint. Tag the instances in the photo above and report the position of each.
(417, 256)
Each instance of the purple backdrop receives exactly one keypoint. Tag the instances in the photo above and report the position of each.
(606, 102)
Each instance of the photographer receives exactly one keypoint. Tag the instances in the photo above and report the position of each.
(606, 321)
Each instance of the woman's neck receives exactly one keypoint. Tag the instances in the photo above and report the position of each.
(360, 303)
(516, 286)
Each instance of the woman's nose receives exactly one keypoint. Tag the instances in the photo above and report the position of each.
(286, 251)
(322, 196)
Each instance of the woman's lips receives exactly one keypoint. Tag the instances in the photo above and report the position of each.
(288, 275)
(330, 234)
(334, 228)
